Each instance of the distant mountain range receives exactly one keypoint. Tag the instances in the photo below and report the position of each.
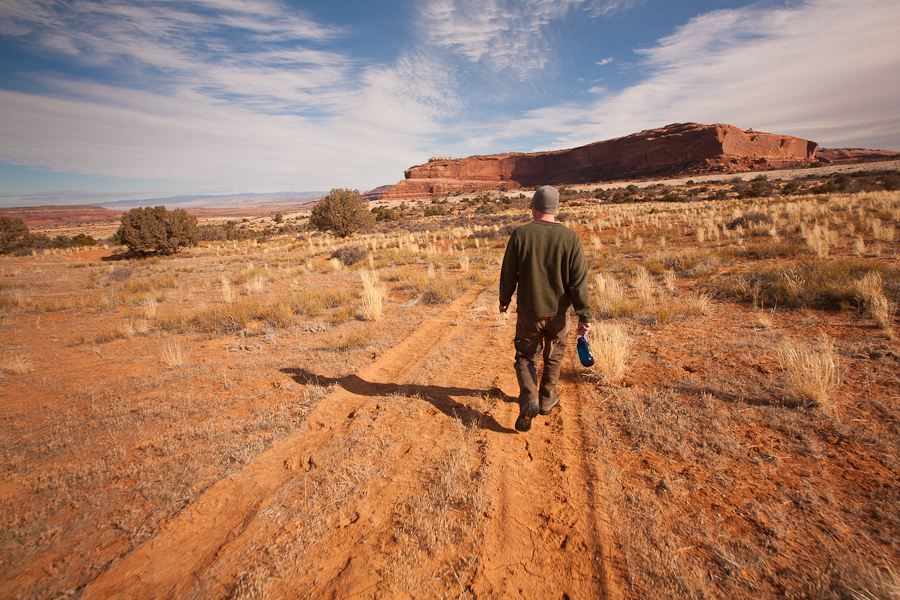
(236, 205)
(235, 201)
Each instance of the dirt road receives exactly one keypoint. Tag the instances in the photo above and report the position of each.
(408, 479)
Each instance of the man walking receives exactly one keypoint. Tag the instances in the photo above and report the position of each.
(545, 261)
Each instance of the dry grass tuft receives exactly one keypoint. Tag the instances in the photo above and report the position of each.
(149, 306)
(126, 330)
(882, 311)
(642, 283)
(669, 279)
(436, 288)
(696, 306)
(870, 291)
(812, 373)
(256, 284)
(12, 302)
(372, 296)
(355, 339)
(15, 364)
(765, 318)
(227, 290)
(609, 300)
(173, 354)
(609, 343)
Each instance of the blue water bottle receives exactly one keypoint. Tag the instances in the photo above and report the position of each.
(584, 353)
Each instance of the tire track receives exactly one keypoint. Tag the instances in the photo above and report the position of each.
(544, 532)
(548, 536)
(166, 565)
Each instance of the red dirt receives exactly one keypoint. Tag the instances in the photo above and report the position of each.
(697, 476)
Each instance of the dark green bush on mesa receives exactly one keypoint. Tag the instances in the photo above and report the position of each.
(158, 230)
(342, 212)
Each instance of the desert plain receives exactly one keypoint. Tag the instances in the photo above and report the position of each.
(304, 416)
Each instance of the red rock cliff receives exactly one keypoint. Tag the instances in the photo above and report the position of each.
(686, 147)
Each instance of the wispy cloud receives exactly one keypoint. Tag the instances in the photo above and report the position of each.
(789, 70)
(213, 90)
(503, 34)
(255, 51)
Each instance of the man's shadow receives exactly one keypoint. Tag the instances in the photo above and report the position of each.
(440, 397)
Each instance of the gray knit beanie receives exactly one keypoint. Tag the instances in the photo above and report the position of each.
(546, 200)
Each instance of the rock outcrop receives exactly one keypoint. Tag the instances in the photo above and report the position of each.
(680, 148)
(852, 155)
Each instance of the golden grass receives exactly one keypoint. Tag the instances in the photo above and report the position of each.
(608, 299)
(126, 330)
(812, 283)
(609, 343)
(256, 284)
(811, 372)
(372, 295)
(669, 279)
(173, 354)
(15, 364)
(882, 311)
(228, 293)
(642, 283)
(281, 312)
(12, 302)
(355, 339)
(150, 307)
(437, 288)
(145, 285)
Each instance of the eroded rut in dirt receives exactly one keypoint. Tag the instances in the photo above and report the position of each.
(408, 480)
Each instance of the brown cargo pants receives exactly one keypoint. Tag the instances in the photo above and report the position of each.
(531, 336)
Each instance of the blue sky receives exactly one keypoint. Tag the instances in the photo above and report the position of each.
(102, 100)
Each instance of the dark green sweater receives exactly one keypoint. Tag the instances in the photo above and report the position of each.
(546, 262)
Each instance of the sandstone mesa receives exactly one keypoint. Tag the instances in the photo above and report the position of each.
(683, 148)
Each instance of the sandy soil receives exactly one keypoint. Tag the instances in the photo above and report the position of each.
(376, 459)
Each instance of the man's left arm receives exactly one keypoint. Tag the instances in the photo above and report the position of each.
(509, 276)
(578, 288)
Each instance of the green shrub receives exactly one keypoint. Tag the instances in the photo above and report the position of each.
(385, 214)
(342, 212)
(158, 230)
(83, 240)
(14, 235)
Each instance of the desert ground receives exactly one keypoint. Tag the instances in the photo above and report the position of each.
(304, 416)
